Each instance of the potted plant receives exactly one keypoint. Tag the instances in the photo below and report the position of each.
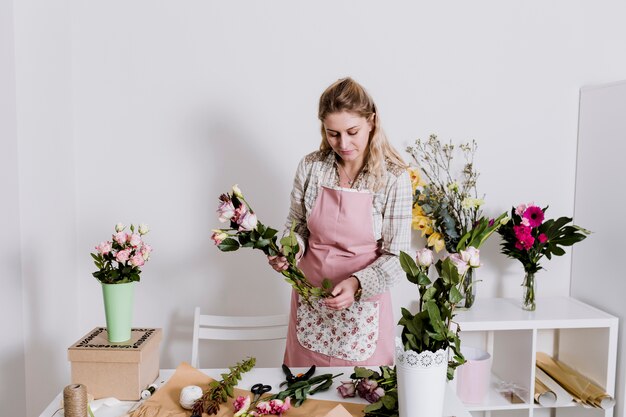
(430, 346)
(119, 263)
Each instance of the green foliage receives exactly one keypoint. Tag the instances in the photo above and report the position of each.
(218, 392)
(265, 239)
(429, 329)
(298, 391)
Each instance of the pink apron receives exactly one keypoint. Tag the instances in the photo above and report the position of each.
(341, 242)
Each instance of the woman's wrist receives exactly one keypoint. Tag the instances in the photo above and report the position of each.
(358, 292)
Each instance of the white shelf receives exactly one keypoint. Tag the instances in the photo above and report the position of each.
(580, 335)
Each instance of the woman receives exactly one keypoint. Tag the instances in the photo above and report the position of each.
(351, 204)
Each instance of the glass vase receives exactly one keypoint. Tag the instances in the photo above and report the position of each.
(528, 302)
(468, 290)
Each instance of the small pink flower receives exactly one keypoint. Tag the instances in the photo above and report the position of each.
(145, 251)
(226, 211)
(135, 240)
(543, 238)
(104, 248)
(525, 222)
(241, 405)
(137, 260)
(279, 407)
(346, 389)
(218, 236)
(521, 209)
(120, 238)
(123, 255)
(534, 215)
(264, 407)
(248, 222)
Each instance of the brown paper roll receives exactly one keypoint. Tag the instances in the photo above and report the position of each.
(579, 386)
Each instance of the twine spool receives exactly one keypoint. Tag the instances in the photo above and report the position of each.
(75, 400)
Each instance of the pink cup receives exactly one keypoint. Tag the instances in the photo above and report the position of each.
(474, 376)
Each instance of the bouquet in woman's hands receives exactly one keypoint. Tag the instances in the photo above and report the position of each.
(246, 231)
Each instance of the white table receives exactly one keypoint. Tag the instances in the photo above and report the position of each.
(270, 376)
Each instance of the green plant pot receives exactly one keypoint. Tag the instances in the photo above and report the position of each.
(118, 309)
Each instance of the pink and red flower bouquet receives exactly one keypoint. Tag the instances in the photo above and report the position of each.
(528, 236)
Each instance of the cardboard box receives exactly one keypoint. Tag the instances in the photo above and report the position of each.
(116, 370)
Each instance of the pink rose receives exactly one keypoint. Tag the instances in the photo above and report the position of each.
(247, 222)
(424, 257)
(145, 251)
(123, 255)
(218, 236)
(461, 265)
(120, 238)
(226, 211)
(471, 255)
(135, 240)
(104, 248)
(346, 389)
(137, 260)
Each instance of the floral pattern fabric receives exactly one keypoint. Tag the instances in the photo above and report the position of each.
(349, 334)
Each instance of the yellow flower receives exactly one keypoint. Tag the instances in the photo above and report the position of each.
(417, 211)
(423, 224)
(416, 179)
(435, 240)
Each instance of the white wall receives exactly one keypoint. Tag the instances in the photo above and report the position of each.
(12, 377)
(600, 181)
(145, 112)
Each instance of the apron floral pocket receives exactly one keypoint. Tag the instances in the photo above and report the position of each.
(349, 334)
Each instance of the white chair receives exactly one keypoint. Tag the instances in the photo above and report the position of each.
(236, 328)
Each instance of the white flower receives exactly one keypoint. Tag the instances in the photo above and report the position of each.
(470, 203)
(471, 255)
(143, 229)
(119, 227)
(453, 186)
(425, 257)
(461, 265)
(248, 222)
(237, 191)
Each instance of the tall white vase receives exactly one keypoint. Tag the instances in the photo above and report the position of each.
(421, 382)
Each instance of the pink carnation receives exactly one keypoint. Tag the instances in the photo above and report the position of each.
(525, 242)
(543, 238)
(521, 231)
(241, 405)
(534, 215)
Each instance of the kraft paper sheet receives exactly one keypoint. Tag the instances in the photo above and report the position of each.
(164, 403)
(580, 387)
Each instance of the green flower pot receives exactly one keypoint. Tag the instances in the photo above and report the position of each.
(118, 308)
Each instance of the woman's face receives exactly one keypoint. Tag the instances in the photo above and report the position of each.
(348, 134)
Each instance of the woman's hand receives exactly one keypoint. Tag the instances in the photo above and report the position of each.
(279, 263)
(343, 294)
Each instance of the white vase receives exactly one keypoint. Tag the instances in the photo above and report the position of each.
(421, 382)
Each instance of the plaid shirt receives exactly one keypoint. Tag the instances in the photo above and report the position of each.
(391, 215)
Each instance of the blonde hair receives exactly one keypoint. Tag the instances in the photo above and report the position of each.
(347, 95)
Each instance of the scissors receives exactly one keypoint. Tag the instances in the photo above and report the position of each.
(259, 389)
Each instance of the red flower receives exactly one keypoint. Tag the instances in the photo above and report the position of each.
(534, 215)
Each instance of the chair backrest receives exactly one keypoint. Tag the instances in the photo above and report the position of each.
(236, 328)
